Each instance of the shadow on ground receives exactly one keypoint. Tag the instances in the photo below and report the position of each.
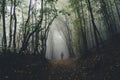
(102, 64)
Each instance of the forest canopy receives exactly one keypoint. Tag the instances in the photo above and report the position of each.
(25, 25)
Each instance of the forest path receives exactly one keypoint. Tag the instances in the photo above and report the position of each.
(102, 64)
(63, 69)
(65, 62)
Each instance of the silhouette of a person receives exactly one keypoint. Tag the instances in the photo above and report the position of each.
(62, 55)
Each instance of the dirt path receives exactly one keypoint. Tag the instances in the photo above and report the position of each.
(102, 64)
(97, 65)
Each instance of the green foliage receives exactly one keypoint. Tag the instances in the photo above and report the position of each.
(64, 12)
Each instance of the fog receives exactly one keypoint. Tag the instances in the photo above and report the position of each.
(56, 42)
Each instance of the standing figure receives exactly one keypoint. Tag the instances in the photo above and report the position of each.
(62, 55)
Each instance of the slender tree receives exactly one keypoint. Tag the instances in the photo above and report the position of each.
(4, 25)
(95, 30)
(15, 26)
(10, 26)
(117, 9)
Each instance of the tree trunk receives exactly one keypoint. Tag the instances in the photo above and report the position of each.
(26, 39)
(10, 28)
(94, 25)
(84, 30)
(117, 9)
(4, 26)
(15, 27)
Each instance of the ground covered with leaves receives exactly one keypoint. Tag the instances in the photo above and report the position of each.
(102, 64)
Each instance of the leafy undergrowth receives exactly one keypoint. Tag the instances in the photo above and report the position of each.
(102, 64)
(23, 67)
